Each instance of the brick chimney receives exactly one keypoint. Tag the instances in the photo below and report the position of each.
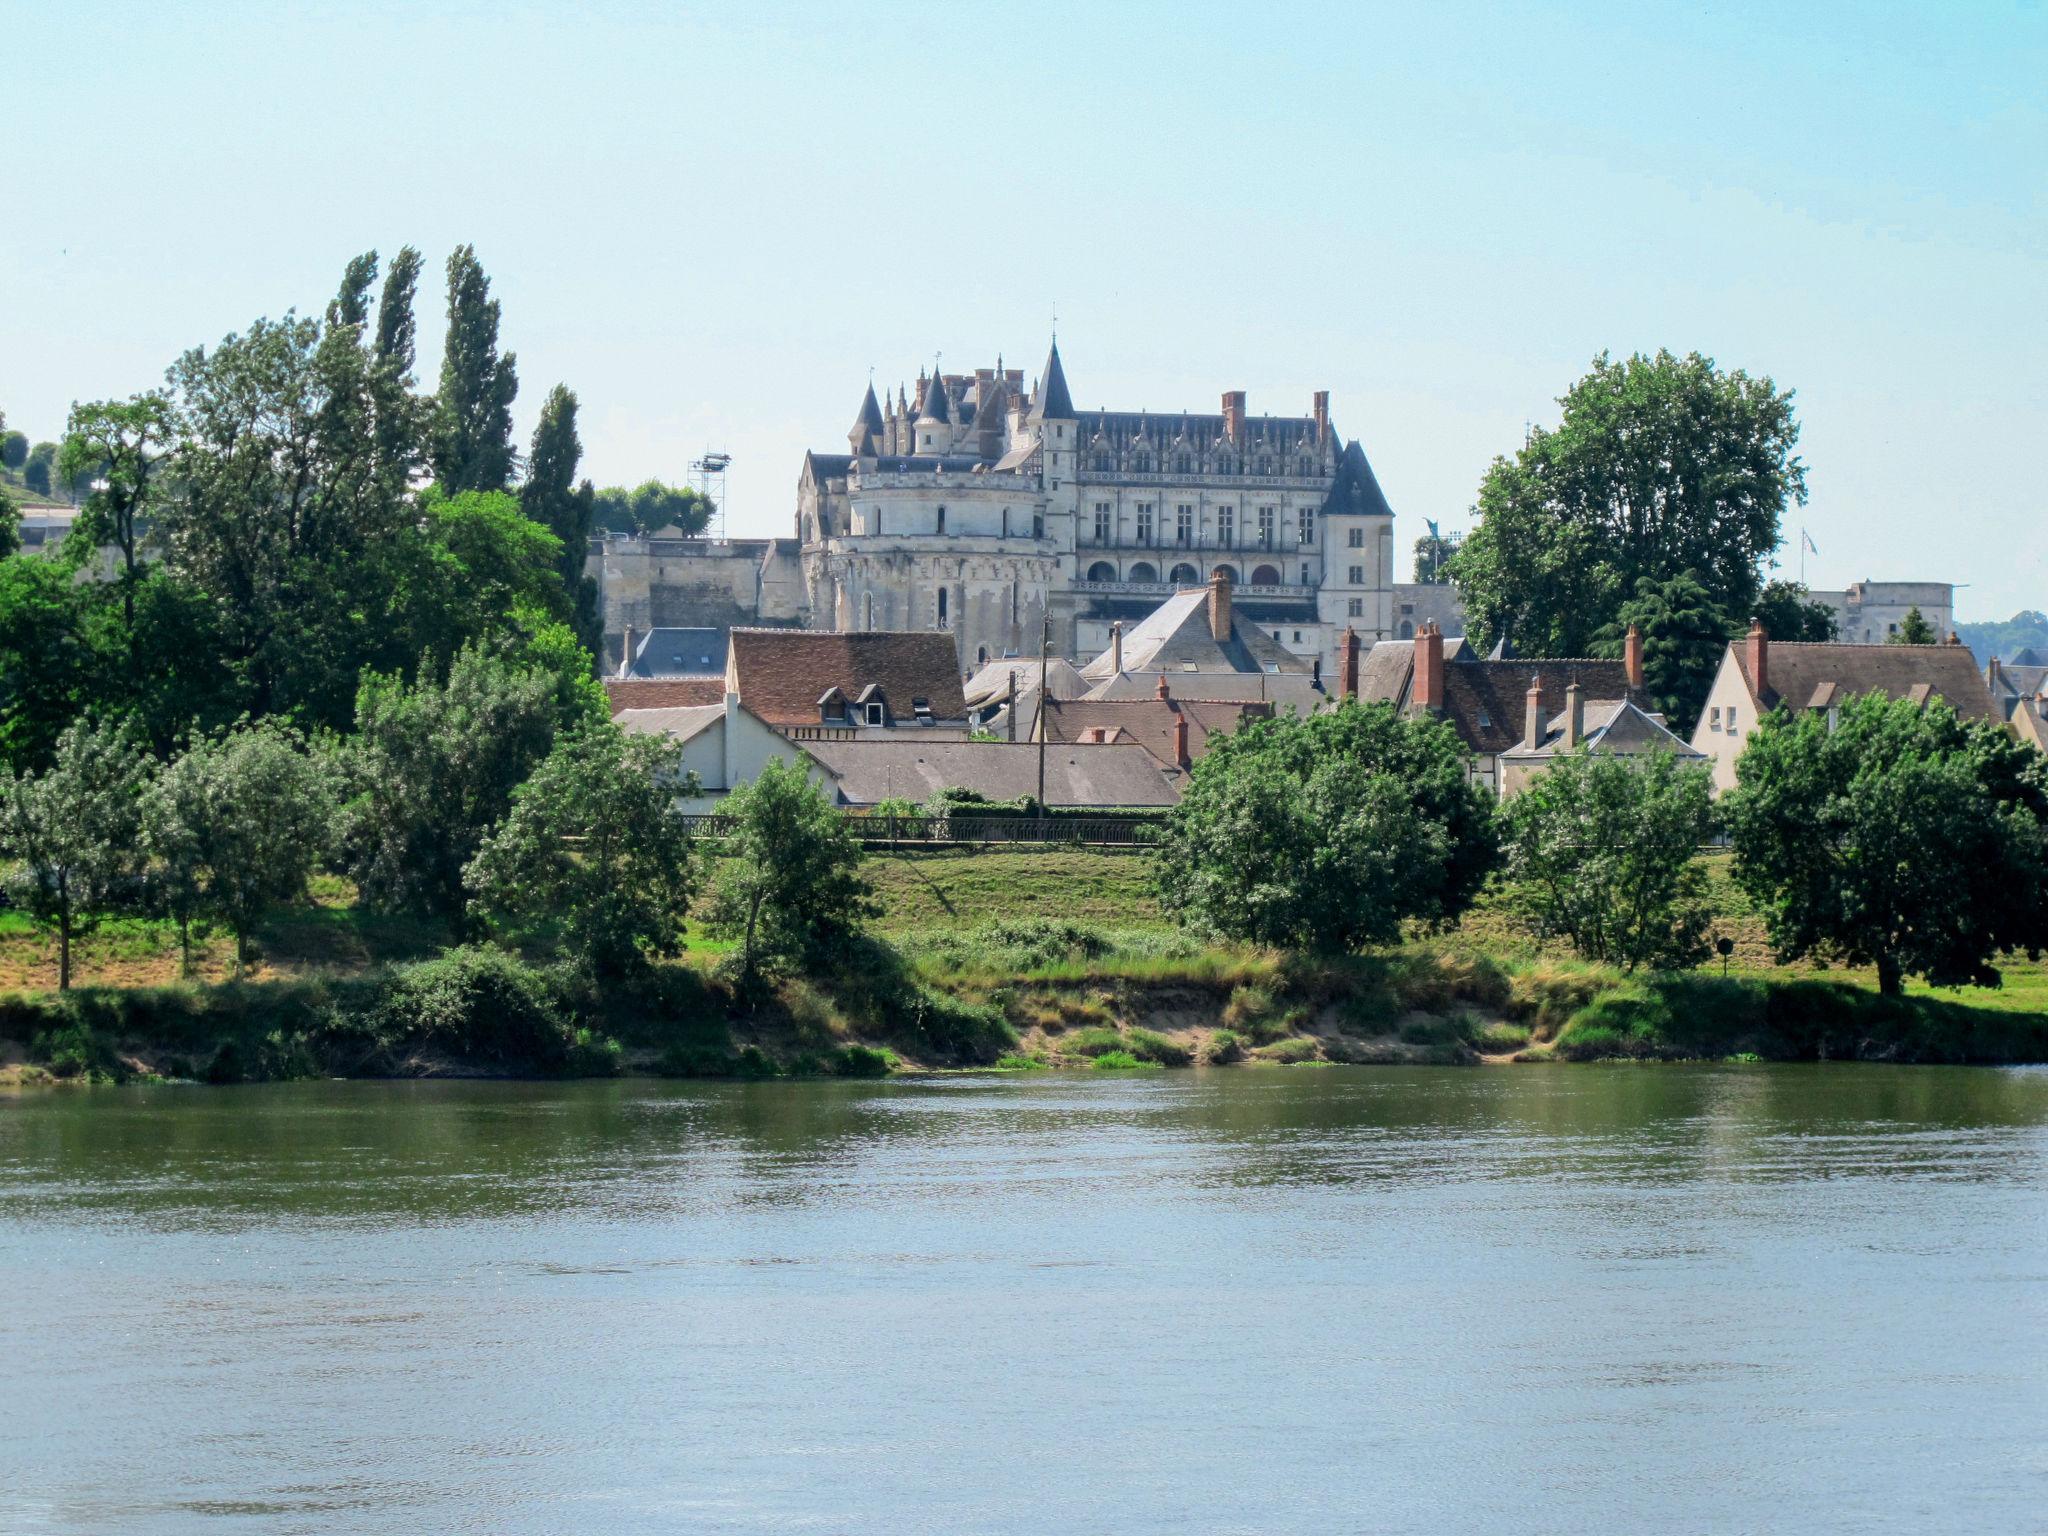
(1162, 687)
(1219, 608)
(1322, 415)
(1180, 739)
(1347, 664)
(1532, 715)
(1757, 649)
(626, 654)
(1574, 716)
(1632, 656)
(1428, 690)
(1116, 647)
(1233, 416)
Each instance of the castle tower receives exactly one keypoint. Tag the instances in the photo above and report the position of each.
(865, 435)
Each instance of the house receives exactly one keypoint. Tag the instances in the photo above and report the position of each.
(809, 683)
(991, 686)
(871, 769)
(724, 744)
(671, 652)
(1304, 694)
(1757, 676)
(2012, 683)
(1174, 730)
(1486, 699)
(1606, 728)
(1196, 630)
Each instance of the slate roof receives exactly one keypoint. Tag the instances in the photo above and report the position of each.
(1283, 690)
(1615, 726)
(992, 682)
(1053, 402)
(662, 692)
(937, 405)
(780, 674)
(2014, 681)
(1176, 634)
(870, 418)
(1356, 490)
(1800, 672)
(679, 653)
(867, 772)
(1486, 700)
(1149, 722)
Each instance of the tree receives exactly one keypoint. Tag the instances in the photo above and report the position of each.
(403, 419)
(13, 448)
(1659, 465)
(622, 892)
(1433, 552)
(73, 829)
(51, 662)
(237, 825)
(790, 890)
(1914, 630)
(650, 506)
(473, 410)
(472, 568)
(1684, 636)
(42, 460)
(432, 768)
(1900, 838)
(1325, 833)
(1787, 613)
(122, 441)
(1600, 852)
(552, 498)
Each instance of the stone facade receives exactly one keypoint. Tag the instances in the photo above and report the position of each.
(1870, 612)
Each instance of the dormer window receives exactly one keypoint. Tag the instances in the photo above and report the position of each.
(922, 708)
(875, 715)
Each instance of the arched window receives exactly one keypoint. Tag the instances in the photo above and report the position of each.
(1142, 571)
(1185, 575)
(981, 655)
(1266, 576)
(942, 607)
(1407, 629)
(1102, 570)
(942, 519)
(1227, 572)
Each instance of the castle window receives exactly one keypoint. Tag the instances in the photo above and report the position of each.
(942, 519)
(1356, 539)
(1265, 465)
(1356, 608)
(1037, 525)
(1102, 522)
(1184, 523)
(1306, 578)
(1356, 575)
(1183, 464)
(1226, 526)
(942, 607)
(1144, 522)
(1265, 527)
(1102, 463)
(1185, 575)
(1297, 637)
(1102, 570)
(1305, 524)
(1141, 463)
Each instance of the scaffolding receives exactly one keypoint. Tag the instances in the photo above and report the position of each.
(709, 473)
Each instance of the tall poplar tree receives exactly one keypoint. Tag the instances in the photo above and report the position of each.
(552, 498)
(473, 426)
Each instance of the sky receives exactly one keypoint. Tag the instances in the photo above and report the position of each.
(713, 222)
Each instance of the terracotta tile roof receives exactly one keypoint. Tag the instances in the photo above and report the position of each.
(1149, 722)
(662, 692)
(780, 674)
(1486, 700)
(1799, 671)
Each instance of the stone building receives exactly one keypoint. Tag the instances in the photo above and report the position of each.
(1870, 612)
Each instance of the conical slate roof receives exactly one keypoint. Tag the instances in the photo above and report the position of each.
(867, 426)
(1356, 491)
(936, 406)
(1053, 402)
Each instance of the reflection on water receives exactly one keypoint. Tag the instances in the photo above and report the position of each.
(1784, 1298)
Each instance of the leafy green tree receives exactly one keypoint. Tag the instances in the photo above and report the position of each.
(1659, 465)
(124, 442)
(473, 417)
(42, 459)
(623, 889)
(73, 830)
(403, 419)
(652, 506)
(52, 664)
(1433, 552)
(237, 825)
(1326, 833)
(432, 768)
(554, 499)
(1684, 636)
(1913, 630)
(13, 448)
(473, 568)
(1900, 838)
(1787, 613)
(1600, 852)
(351, 304)
(790, 889)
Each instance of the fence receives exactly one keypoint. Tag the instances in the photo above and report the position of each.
(1111, 832)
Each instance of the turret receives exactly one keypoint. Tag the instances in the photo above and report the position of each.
(865, 435)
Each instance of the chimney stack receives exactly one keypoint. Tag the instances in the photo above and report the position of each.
(1632, 657)
(1162, 693)
(1180, 738)
(1532, 715)
(1347, 664)
(626, 654)
(1758, 649)
(1954, 638)
(1322, 415)
(1219, 608)
(1233, 416)
(1574, 717)
(1428, 690)
(1116, 647)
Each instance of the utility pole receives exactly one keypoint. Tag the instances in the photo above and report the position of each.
(1044, 655)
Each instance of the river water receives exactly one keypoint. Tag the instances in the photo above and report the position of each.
(1671, 1299)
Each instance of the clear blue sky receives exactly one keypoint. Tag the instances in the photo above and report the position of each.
(712, 221)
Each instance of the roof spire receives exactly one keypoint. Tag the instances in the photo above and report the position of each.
(1053, 402)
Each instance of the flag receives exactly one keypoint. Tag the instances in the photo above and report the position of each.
(1807, 539)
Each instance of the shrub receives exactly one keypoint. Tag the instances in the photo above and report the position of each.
(1289, 1052)
(1498, 1037)
(592, 1054)
(478, 1001)
(1015, 1063)
(1122, 1061)
(76, 1050)
(863, 1061)
(1095, 1041)
(1622, 1023)
(1157, 1047)
(1224, 1047)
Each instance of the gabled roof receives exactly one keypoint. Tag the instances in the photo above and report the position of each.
(1486, 700)
(866, 772)
(992, 683)
(680, 723)
(625, 693)
(1356, 490)
(1614, 726)
(1149, 722)
(1298, 691)
(1053, 402)
(780, 673)
(1175, 637)
(1797, 670)
(678, 653)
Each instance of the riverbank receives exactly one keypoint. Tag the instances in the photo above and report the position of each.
(1095, 980)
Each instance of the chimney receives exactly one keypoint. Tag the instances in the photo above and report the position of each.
(1758, 653)
(1532, 715)
(1632, 657)
(1427, 694)
(1116, 647)
(1322, 415)
(1954, 638)
(1180, 738)
(1219, 608)
(1233, 416)
(626, 654)
(1011, 712)
(1162, 687)
(1347, 664)
(1574, 717)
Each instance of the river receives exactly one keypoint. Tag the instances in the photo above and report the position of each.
(1573, 1299)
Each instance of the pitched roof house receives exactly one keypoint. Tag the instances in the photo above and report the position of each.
(1113, 776)
(1174, 730)
(669, 652)
(1757, 676)
(1195, 630)
(2012, 683)
(863, 679)
(1604, 727)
